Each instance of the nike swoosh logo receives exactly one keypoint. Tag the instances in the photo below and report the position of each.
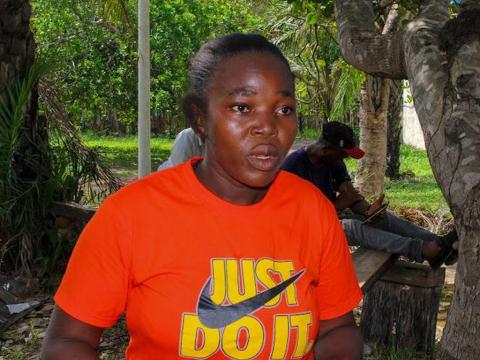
(217, 316)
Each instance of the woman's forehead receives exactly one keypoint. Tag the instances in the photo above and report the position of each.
(244, 73)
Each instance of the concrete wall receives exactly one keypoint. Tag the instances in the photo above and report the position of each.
(412, 132)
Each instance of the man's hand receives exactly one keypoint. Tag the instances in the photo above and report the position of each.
(347, 196)
(377, 204)
(345, 200)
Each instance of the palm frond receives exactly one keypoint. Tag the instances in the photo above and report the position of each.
(18, 191)
(117, 11)
(33, 173)
(346, 90)
(13, 106)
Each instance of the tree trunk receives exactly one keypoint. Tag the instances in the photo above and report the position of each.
(16, 41)
(112, 114)
(17, 48)
(441, 59)
(460, 336)
(30, 163)
(301, 123)
(374, 101)
(97, 122)
(394, 129)
(17, 54)
(373, 135)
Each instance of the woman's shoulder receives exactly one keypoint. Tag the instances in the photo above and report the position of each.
(156, 185)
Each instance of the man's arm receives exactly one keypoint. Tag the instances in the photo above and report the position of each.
(339, 338)
(349, 197)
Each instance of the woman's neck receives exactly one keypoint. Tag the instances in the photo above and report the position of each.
(226, 189)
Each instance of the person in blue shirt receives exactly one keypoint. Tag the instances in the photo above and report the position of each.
(321, 163)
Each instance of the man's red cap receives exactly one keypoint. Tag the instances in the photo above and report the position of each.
(354, 152)
(340, 135)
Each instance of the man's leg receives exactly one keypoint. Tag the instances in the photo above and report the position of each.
(393, 224)
(359, 234)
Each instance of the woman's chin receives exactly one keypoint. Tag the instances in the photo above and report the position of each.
(260, 181)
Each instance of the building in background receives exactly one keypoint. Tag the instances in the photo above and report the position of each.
(412, 132)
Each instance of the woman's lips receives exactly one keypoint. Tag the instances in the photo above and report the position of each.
(264, 157)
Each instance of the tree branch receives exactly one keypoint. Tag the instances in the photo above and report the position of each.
(362, 46)
(392, 21)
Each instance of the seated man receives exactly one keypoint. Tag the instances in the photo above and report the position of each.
(187, 145)
(322, 164)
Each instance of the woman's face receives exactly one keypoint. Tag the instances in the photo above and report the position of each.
(250, 122)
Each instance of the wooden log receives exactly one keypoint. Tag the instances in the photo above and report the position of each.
(71, 210)
(400, 309)
(370, 265)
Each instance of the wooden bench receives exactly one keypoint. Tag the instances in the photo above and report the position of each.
(395, 293)
(370, 266)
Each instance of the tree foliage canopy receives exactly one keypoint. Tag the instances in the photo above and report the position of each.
(327, 87)
(95, 54)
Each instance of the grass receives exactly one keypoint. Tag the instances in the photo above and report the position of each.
(417, 188)
(20, 345)
(120, 153)
(389, 353)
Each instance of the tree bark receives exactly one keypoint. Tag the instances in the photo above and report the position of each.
(17, 54)
(17, 48)
(112, 114)
(394, 129)
(373, 135)
(374, 101)
(441, 60)
(16, 41)
(362, 46)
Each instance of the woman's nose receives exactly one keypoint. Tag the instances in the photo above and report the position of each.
(265, 124)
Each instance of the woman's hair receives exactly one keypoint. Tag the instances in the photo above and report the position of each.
(210, 56)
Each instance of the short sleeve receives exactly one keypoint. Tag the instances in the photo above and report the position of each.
(95, 285)
(337, 291)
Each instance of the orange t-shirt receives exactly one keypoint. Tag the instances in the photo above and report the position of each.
(199, 277)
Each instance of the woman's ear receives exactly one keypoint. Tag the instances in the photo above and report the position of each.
(199, 122)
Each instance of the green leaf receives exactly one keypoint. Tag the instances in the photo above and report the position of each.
(311, 18)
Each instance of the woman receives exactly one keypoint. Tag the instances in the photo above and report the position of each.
(219, 257)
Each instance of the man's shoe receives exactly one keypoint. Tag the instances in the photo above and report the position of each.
(453, 257)
(446, 250)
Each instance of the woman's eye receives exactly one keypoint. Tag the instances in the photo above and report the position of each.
(240, 108)
(285, 110)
